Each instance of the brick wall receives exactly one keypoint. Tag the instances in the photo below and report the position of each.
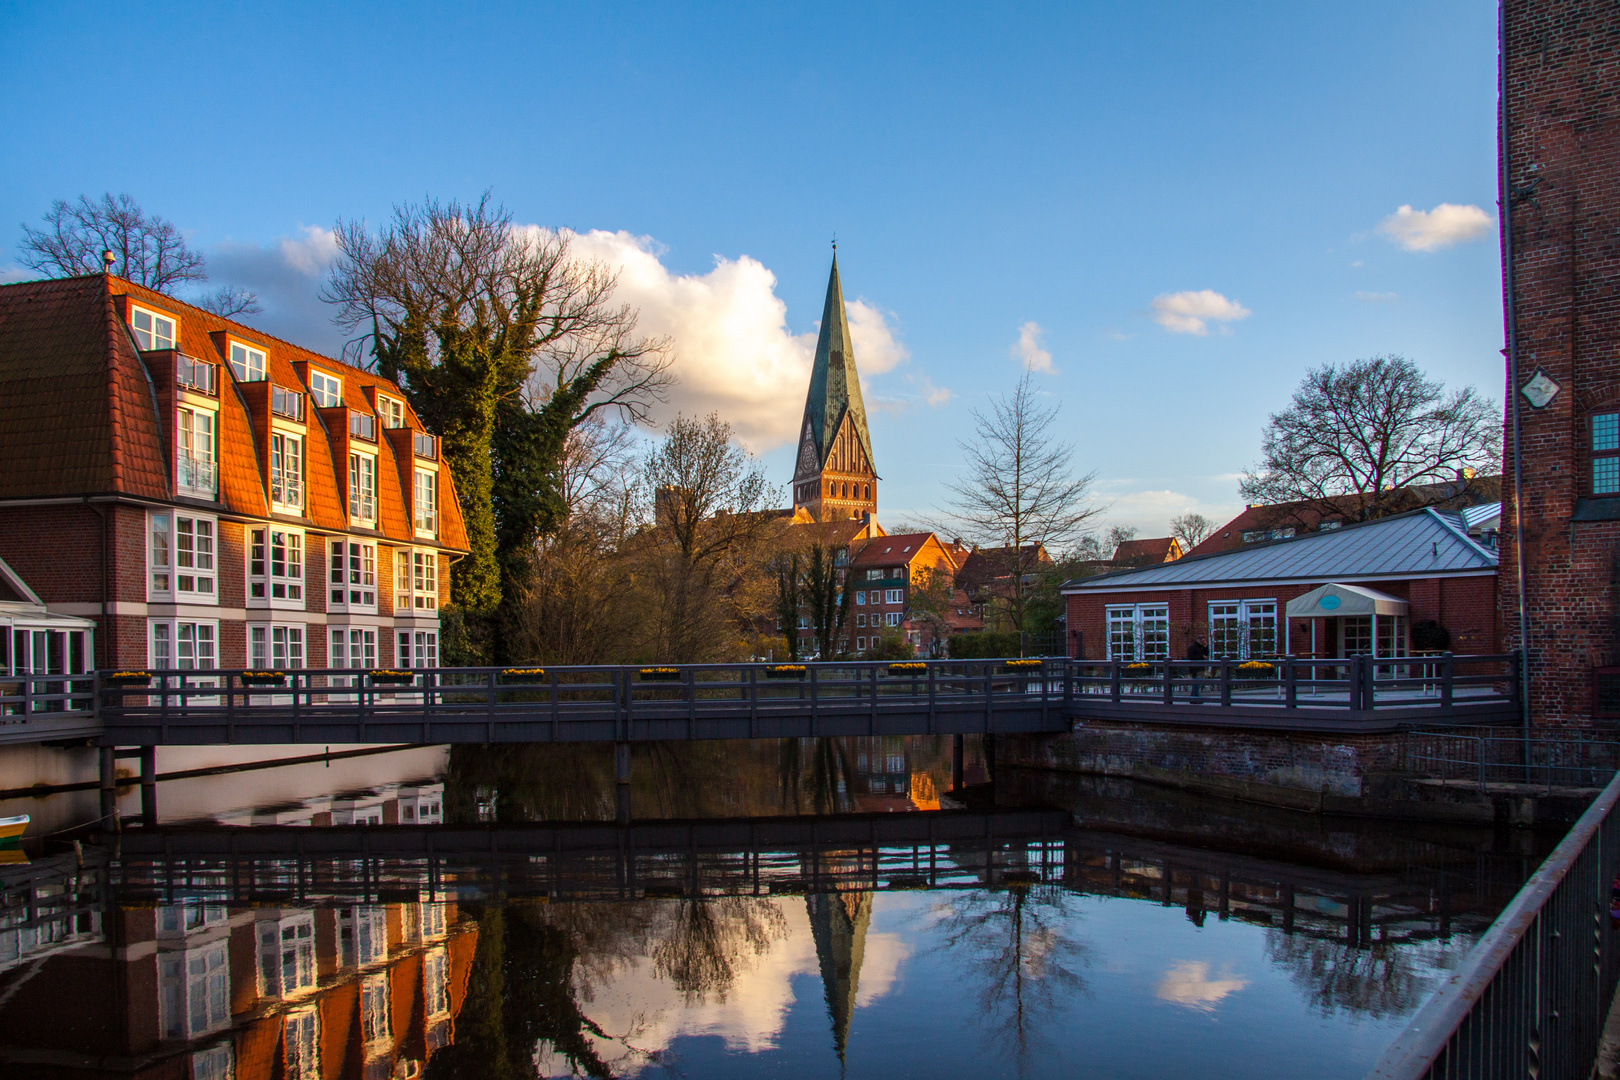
(1563, 62)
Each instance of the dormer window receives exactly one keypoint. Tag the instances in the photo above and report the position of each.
(288, 403)
(1606, 454)
(152, 331)
(325, 389)
(425, 446)
(195, 375)
(362, 425)
(247, 362)
(391, 411)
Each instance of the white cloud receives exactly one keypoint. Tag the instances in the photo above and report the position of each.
(1188, 984)
(286, 275)
(1378, 297)
(1192, 312)
(1027, 349)
(1151, 510)
(1431, 230)
(734, 353)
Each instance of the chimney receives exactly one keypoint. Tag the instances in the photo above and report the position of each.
(107, 260)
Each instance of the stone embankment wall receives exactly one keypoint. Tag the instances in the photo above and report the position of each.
(1363, 775)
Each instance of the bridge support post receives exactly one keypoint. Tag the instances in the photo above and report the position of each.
(956, 762)
(149, 812)
(109, 793)
(621, 777)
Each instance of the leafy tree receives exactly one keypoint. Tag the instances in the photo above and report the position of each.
(827, 600)
(1018, 488)
(789, 597)
(146, 249)
(1367, 434)
(1191, 529)
(890, 643)
(930, 600)
(503, 344)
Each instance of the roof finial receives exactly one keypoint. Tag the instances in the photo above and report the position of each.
(835, 243)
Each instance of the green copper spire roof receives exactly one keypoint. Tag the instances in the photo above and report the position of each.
(835, 385)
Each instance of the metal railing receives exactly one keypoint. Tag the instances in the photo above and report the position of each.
(195, 473)
(1531, 998)
(58, 694)
(1566, 759)
(1355, 683)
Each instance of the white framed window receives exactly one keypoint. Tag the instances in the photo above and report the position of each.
(353, 575)
(362, 425)
(276, 647)
(194, 459)
(286, 955)
(1242, 629)
(891, 618)
(286, 471)
(301, 1045)
(353, 647)
(183, 644)
(860, 619)
(326, 390)
(875, 575)
(247, 362)
(217, 1062)
(362, 935)
(288, 403)
(860, 643)
(391, 411)
(418, 648)
(276, 565)
(894, 596)
(436, 979)
(1138, 632)
(860, 597)
(178, 920)
(152, 330)
(427, 501)
(376, 1019)
(193, 991)
(180, 557)
(416, 585)
(362, 487)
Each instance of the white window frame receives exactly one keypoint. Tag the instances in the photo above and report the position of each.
(390, 412)
(301, 1044)
(417, 648)
(1137, 633)
(894, 596)
(286, 945)
(436, 980)
(376, 1011)
(149, 337)
(860, 619)
(196, 436)
(270, 546)
(363, 487)
(425, 502)
(287, 471)
(416, 580)
(1236, 625)
(182, 557)
(194, 990)
(248, 364)
(351, 575)
(362, 935)
(892, 618)
(276, 646)
(183, 644)
(325, 390)
(860, 643)
(352, 648)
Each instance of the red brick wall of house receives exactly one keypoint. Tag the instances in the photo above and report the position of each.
(1563, 61)
(1464, 605)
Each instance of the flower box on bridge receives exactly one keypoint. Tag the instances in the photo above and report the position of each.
(659, 674)
(786, 671)
(264, 678)
(390, 678)
(127, 679)
(523, 675)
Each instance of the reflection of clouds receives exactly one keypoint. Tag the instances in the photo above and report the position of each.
(880, 966)
(641, 1013)
(1188, 983)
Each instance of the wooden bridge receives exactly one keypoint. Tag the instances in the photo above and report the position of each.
(624, 704)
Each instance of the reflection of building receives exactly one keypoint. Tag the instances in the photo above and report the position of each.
(838, 922)
(279, 993)
(882, 776)
(386, 804)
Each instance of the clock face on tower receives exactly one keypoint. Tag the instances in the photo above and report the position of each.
(808, 463)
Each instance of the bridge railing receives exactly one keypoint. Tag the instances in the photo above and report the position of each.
(1532, 996)
(58, 695)
(1436, 683)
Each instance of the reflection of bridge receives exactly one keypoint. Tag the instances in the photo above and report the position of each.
(777, 856)
(762, 701)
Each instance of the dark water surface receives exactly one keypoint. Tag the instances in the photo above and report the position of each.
(787, 909)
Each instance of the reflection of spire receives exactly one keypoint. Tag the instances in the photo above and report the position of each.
(838, 922)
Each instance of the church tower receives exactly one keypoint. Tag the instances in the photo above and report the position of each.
(835, 478)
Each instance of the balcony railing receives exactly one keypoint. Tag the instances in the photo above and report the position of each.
(362, 425)
(195, 375)
(363, 507)
(286, 490)
(288, 403)
(425, 446)
(196, 474)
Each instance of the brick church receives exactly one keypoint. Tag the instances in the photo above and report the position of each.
(834, 478)
(1560, 197)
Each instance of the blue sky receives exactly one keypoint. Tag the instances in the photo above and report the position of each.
(984, 168)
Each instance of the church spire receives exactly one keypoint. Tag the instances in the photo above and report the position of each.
(835, 476)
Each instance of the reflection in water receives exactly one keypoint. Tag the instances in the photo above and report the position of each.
(790, 912)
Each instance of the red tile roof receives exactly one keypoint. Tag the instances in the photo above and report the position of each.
(1142, 552)
(79, 409)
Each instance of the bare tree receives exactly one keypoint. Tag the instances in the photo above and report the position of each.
(1117, 535)
(703, 502)
(146, 249)
(1191, 529)
(504, 344)
(1367, 434)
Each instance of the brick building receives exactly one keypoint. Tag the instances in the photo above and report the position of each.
(1560, 185)
(884, 573)
(835, 476)
(212, 496)
(1414, 568)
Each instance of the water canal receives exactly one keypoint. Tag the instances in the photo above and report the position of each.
(814, 908)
